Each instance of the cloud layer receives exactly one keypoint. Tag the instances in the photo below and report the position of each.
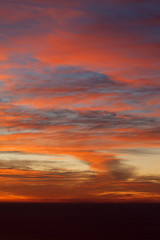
(79, 100)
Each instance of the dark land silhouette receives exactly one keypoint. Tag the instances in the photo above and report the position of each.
(79, 221)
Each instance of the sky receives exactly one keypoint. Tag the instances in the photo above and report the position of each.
(80, 100)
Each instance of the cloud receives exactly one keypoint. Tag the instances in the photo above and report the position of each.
(121, 171)
(41, 162)
(79, 94)
(148, 179)
(39, 119)
(76, 88)
(62, 81)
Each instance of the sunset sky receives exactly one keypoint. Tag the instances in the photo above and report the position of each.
(80, 100)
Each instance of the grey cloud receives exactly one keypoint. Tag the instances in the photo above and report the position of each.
(137, 151)
(79, 82)
(4, 100)
(148, 179)
(121, 171)
(64, 81)
(34, 119)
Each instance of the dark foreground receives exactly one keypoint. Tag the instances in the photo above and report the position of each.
(23, 221)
